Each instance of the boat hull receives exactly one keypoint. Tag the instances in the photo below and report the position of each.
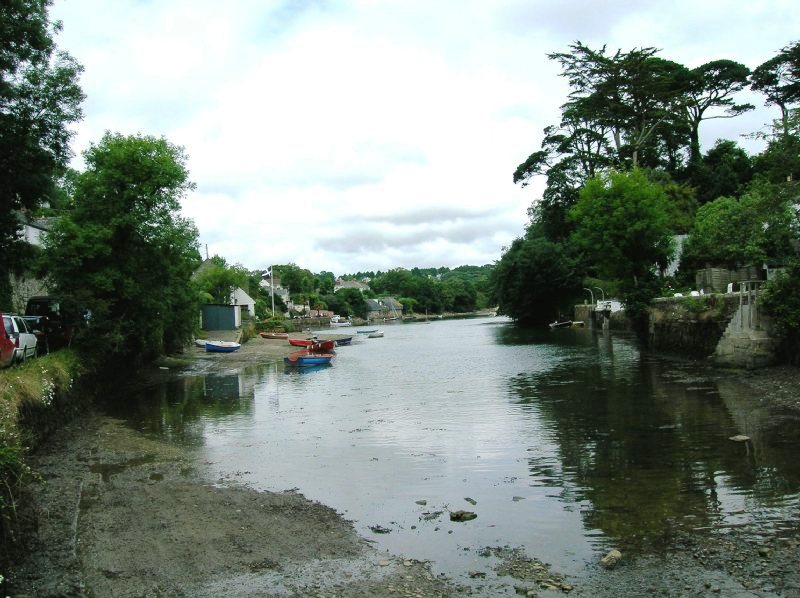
(274, 335)
(307, 359)
(222, 347)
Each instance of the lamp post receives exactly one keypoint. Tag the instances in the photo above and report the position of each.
(602, 293)
(590, 293)
(271, 287)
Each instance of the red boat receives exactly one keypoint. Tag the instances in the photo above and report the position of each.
(313, 345)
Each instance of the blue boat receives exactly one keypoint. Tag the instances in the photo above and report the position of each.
(344, 341)
(222, 346)
(305, 359)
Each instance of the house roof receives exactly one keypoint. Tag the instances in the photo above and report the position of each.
(381, 303)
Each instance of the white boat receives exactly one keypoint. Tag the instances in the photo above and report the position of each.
(337, 322)
(375, 334)
(200, 342)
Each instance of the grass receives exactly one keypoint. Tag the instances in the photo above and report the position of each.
(32, 386)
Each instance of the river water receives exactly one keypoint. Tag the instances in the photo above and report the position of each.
(564, 443)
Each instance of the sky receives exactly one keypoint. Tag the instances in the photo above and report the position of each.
(362, 135)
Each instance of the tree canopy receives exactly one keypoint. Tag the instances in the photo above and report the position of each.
(123, 252)
(39, 99)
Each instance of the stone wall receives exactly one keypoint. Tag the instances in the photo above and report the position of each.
(691, 326)
(727, 329)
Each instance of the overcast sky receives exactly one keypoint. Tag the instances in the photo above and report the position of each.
(366, 134)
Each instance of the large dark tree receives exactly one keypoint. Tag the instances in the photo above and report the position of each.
(39, 99)
(124, 253)
(709, 95)
(779, 80)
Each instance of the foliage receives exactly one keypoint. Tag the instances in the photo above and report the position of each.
(39, 99)
(627, 100)
(724, 171)
(780, 162)
(781, 301)
(779, 80)
(712, 87)
(124, 253)
(347, 302)
(732, 232)
(533, 279)
(295, 279)
(622, 225)
(216, 281)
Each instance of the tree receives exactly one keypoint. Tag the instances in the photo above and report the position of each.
(39, 99)
(712, 86)
(533, 279)
(732, 232)
(216, 281)
(631, 95)
(124, 253)
(724, 171)
(779, 80)
(623, 226)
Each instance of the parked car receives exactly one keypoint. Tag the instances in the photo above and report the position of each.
(45, 316)
(7, 346)
(24, 340)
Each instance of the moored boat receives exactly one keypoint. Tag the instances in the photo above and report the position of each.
(274, 335)
(305, 359)
(370, 331)
(222, 346)
(337, 322)
(313, 344)
(376, 334)
(343, 341)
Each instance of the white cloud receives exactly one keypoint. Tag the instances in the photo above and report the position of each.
(357, 134)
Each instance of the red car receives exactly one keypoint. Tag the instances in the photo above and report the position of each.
(7, 346)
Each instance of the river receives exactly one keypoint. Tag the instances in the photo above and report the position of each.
(564, 443)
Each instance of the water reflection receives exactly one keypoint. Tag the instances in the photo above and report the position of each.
(644, 445)
(181, 409)
(568, 441)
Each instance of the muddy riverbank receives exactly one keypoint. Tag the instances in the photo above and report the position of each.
(120, 513)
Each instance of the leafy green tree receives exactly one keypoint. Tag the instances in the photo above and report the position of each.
(724, 171)
(534, 280)
(780, 161)
(39, 99)
(325, 281)
(732, 232)
(124, 253)
(216, 281)
(297, 280)
(781, 301)
(623, 226)
(347, 302)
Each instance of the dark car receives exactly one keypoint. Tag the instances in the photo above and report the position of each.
(45, 315)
